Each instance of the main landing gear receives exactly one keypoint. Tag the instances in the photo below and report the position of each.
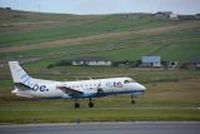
(132, 99)
(77, 105)
(90, 104)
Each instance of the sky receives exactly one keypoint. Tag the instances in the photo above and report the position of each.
(104, 6)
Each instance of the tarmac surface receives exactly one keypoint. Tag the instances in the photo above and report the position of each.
(105, 128)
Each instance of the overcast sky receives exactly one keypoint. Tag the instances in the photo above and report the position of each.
(104, 6)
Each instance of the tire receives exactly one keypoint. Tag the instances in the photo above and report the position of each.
(132, 101)
(90, 105)
(77, 105)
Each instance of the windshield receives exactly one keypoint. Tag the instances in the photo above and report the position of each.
(128, 81)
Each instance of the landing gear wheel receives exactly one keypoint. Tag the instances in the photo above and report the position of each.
(132, 101)
(77, 105)
(90, 105)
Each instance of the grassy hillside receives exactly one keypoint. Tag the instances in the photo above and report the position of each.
(171, 94)
(131, 35)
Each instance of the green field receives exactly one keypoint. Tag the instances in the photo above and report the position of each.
(49, 38)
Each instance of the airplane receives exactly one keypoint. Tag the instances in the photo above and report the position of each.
(29, 87)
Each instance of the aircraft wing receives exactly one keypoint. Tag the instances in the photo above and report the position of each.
(70, 91)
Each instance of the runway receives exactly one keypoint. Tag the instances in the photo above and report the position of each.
(105, 128)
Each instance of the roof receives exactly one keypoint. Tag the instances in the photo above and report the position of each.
(91, 59)
(165, 12)
(148, 59)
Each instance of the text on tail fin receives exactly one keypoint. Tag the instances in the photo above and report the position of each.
(17, 72)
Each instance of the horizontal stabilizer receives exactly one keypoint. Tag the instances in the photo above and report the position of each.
(22, 87)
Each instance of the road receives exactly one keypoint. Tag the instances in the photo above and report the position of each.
(105, 128)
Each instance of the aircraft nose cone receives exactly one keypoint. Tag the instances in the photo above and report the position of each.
(141, 87)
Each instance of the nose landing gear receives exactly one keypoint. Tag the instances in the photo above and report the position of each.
(132, 99)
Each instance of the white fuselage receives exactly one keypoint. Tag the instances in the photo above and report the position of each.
(27, 86)
(89, 88)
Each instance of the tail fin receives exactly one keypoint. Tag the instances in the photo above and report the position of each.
(19, 75)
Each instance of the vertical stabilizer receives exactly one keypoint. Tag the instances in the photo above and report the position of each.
(18, 73)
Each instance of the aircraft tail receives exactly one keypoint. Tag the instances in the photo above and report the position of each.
(19, 75)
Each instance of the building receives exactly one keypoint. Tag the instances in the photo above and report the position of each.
(151, 61)
(197, 16)
(173, 16)
(167, 14)
(91, 61)
(195, 64)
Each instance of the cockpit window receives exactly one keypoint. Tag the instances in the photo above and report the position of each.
(128, 81)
